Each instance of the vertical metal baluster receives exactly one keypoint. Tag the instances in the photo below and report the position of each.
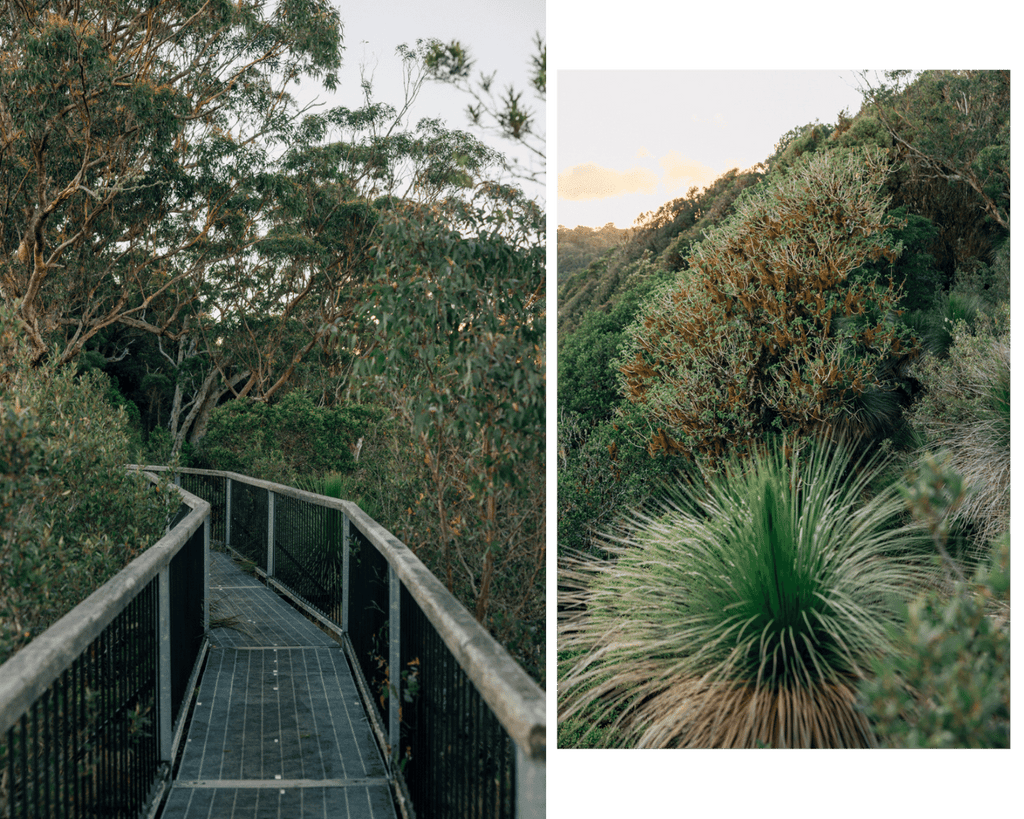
(47, 749)
(394, 660)
(61, 733)
(76, 683)
(270, 533)
(227, 513)
(24, 765)
(345, 543)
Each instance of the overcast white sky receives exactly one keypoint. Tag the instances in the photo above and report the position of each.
(499, 36)
(630, 140)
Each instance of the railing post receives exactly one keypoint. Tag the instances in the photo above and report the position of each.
(163, 665)
(394, 661)
(227, 513)
(345, 530)
(270, 533)
(531, 798)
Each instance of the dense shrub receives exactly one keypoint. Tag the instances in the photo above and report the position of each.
(284, 440)
(71, 516)
(768, 330)
(948, 684)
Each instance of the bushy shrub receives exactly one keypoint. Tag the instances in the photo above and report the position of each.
(71, 516)
(282, 441)
(769, 330)
(747, 612)
(601, 473)
(948, 683)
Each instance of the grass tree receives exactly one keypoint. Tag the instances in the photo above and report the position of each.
(744, 613)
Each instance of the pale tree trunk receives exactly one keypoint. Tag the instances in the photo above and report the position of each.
(207, 397)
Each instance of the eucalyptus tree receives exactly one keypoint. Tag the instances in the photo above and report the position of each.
(505, 113)
(457, 320)
(133, 136)
(281, 298)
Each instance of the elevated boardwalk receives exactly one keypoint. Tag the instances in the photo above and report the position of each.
(184, 687)
(278, 729)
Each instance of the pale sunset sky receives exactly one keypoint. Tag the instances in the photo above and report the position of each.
(631, 140)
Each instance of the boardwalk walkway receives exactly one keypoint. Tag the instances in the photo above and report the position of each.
(278, 728)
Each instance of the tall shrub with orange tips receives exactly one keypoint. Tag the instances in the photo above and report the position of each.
(772, 327)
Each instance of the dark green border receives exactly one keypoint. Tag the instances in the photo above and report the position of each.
(595, 785)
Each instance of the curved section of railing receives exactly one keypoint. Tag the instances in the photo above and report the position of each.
(92, 709)
(462, 724)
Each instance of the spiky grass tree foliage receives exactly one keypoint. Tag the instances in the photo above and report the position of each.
(771, 327)
(966, 413)
(746, 613)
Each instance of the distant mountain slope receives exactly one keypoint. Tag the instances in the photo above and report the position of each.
(579, 246)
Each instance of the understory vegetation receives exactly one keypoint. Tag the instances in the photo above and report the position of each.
(199, 270)
(784, 444)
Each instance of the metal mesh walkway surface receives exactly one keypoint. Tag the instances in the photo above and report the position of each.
(278, 728)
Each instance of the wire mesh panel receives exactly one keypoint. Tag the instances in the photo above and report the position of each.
(456, 758)
(213, 489)
(186, 575)
(308, 553)
(368, 615)
(87, 747)
(249, 522)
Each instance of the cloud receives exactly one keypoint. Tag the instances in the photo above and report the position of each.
(680, 172)
(642, 153)
(591, 181)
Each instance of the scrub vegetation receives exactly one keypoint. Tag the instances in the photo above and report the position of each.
(784, 449)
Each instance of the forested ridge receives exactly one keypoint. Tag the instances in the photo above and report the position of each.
(838, 312)
(198, 269)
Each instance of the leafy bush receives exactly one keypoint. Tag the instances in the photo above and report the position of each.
(948, 684)
(284, 440)
(71, 516)
(747, 612)
(600, 474)
(768, 330)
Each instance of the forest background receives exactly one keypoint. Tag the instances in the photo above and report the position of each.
(201, 268)
(756, 40)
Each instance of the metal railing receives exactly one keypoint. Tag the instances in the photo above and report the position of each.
(92, 710)
(460, 722)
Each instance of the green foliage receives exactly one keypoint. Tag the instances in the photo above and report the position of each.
(768, 329)
(676, 226)
(806, 139)
(289, 438)
(132, 144)
(948, 683)
(502, 113)
(954, 125)
(71, 516)
(601, 471)
(746, 611)
(914, 270)
(579, 246)
(457, 351)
